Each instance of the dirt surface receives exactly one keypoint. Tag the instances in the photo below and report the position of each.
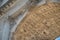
(42, 23)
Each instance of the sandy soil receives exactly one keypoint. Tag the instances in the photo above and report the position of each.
(42, 23)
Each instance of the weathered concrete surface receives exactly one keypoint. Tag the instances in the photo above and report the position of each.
(4, 22)
(3, 2)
